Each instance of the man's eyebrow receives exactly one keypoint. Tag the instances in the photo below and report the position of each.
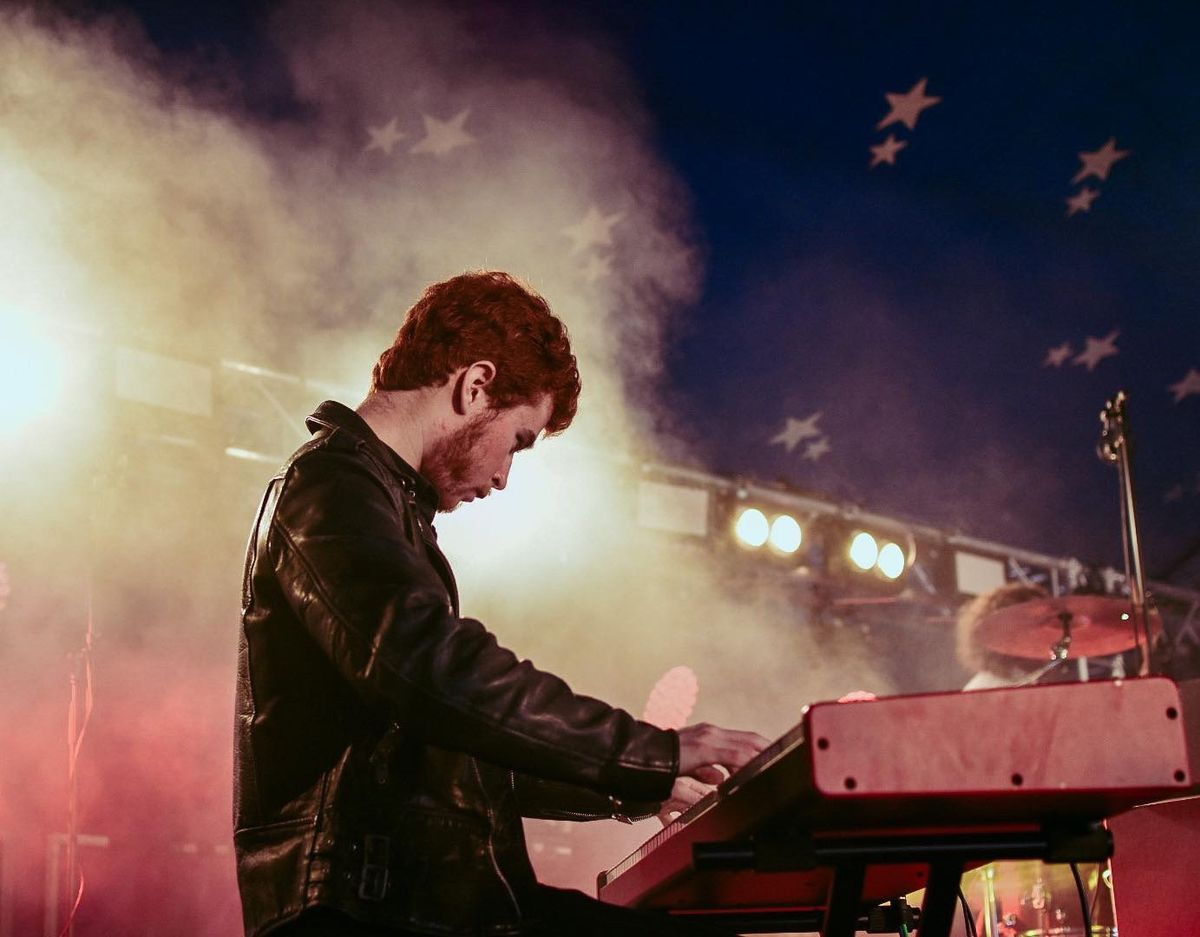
(526, 439)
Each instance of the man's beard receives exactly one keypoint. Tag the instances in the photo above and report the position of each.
(449, 463)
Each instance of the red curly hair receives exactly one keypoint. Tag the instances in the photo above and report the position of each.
(485, 316)
(971, 652)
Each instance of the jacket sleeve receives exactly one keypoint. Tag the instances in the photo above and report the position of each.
(383, 616)
(540, 799)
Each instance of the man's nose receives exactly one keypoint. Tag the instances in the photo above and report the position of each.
(500, 479)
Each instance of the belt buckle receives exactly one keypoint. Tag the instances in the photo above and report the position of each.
(373, 883)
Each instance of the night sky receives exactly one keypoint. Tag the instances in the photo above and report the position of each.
(912, 304)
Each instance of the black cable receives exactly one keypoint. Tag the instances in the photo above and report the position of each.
(1083, 901)
(968, 918)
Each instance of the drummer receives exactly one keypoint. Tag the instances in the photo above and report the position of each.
(993, 669)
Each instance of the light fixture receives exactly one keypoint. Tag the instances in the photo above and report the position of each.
(891, 560)
(786, 534)
(752, 528)
(864, 551)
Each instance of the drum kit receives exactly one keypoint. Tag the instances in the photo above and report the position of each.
(1033, 899)
(1063, 627)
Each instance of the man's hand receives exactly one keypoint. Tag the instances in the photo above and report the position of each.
(685, 792)
(702, 746)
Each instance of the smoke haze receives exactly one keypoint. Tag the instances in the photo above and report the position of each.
(147, 204)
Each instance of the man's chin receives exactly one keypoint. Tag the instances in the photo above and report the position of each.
(448, 505)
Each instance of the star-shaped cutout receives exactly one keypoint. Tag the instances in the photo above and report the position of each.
(886, 151)
(906, 108)
(1190, 384)
(1097, 350)
(795, 430)
(1082, 200)
(594, 229)
(1174, 493)
(815, 450)
(1056, 356)
(1099, 162)
(442, 136)
(385, 137)
(597, 267)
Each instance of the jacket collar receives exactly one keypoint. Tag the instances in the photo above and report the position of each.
(334, 415)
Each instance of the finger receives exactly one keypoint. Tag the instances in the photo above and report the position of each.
(711, 774)
(740, 747)
(690, 788)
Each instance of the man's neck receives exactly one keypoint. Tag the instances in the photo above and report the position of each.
(399, 419)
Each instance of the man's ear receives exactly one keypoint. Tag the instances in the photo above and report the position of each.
(471, 388)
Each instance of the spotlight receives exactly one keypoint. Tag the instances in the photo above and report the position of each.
(786, 535)
(32, 373)
(864, 551)
(891, 560)
(752, 528)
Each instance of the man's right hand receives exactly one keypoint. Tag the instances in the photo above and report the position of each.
(702, 746)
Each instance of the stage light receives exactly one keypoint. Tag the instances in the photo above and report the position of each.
(752, 528)
(864, 551)
(32, 373)
(891, 560)
(786, 535)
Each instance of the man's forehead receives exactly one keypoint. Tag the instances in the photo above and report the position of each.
(533, 417)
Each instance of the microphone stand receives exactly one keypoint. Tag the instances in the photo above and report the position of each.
(1114, 448)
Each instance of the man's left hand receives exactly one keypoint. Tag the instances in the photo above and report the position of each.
(685, 792)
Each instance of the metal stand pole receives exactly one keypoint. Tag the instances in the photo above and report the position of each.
(1115, 448)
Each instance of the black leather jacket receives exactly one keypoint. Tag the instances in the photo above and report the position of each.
(387, 747)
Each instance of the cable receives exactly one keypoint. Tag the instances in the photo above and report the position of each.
(1083, 901)
(77, 725)
(968, 917)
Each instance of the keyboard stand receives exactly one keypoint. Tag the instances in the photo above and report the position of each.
(848, 856)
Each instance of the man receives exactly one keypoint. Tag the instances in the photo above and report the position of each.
(387, 747)
(992, 669)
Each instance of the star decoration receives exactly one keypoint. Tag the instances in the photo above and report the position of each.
(384, 138)
(815, 450)
(1097, 350)
(1099, 162)
(594, 229)
(1081, 200)
(1174, 493)
(886, 151)
(597, 267)
(1190, 384)
(442, 136)
(796, 430)
(906, 108)
(1056, 356)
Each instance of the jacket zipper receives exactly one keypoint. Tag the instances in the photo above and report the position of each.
(491, 829)
(563, 813)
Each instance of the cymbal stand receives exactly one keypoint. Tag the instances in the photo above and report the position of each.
(1114, 448)
(1058, 653)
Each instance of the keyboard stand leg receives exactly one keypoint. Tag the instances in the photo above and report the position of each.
(845, 896)
(941, 895)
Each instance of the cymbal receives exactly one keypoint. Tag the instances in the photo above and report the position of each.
(1099, 626)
